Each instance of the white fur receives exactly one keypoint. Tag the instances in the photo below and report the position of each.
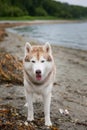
(44, 90)
(46, 94)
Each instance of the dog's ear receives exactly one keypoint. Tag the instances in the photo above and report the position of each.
(27, 48)
(48, 47)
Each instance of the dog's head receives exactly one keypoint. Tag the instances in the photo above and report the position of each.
(38, 61)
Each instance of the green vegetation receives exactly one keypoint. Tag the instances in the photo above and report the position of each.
(30, 18)
(44, 9)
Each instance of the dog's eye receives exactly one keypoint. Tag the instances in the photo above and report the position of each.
(33, 61)
(42, 61)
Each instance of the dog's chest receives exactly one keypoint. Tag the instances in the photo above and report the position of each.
(38, 89)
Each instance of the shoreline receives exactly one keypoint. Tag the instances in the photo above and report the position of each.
(4, 26)
(9, 24)
(41, 21)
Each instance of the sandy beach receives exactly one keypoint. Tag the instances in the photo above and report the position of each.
(70, 87)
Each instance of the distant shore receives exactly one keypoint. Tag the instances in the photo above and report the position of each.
(19, 22)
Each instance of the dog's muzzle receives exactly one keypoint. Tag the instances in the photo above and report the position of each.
(38, 75)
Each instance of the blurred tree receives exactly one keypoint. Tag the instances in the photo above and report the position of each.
(41, 8)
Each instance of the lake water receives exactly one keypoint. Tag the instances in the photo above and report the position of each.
(73, 35)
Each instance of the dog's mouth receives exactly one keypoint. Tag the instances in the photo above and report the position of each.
(38, 77)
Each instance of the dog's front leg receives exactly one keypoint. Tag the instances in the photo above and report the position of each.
(47, 102)
(29, 97)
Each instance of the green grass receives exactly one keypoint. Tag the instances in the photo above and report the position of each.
(26, 18)
(29, 18)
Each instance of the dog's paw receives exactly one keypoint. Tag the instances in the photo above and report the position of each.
(48, 123)
(30, 118)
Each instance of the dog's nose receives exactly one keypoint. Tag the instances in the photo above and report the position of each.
(38, 71)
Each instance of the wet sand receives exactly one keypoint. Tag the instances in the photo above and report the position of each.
(69, 91)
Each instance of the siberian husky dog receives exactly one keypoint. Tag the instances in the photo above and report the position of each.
(39, 75)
